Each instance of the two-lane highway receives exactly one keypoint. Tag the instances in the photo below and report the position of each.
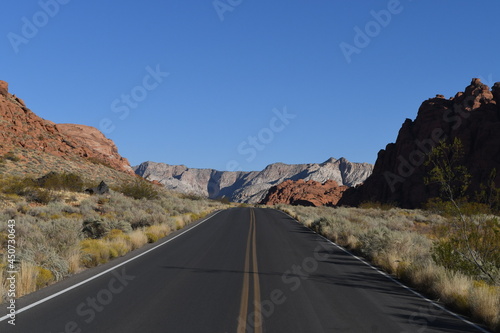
(242, 270)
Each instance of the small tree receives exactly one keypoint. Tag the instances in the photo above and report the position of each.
(472, 240)
(447, 170)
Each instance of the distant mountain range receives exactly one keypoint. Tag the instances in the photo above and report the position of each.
(250, 187)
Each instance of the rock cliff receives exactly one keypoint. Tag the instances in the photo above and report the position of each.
(473, 116)
(21, 128)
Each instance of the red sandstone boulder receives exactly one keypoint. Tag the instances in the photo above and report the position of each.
(305, 193)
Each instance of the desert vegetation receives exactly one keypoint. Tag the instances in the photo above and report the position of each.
(60, 230)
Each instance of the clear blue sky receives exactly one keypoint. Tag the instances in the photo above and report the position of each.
(225, 77)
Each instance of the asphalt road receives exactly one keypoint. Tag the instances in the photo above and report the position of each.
(242, 270)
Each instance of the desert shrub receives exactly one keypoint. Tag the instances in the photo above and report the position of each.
(48, 244)
(61, 182)
(70, 210)
(137, 218)
(116, 234)
(88, 207)
(71, 199)
(375, 241)
(41, 195)
(93, 228)
(98, 228)
(44, 277)
(61, 234)
(155, 232)
(194, 216)
(98, 251)
(119, 201)
(103, 200)
(152, 237)
(110, 224)
(139, 189)
(137, 239)
(472, 243)
(28, 188)
(190, 196)
(181, 221)
(118, 248)
(16, 185)
(159, 217)
(10, 156)
(94, 252)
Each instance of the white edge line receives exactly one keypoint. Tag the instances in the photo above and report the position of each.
(102, 273)
(392, 279)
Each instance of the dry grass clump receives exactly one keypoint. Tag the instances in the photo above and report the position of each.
(3, 287)
(26, 279)
(485, 303)
(99, 251)
(137, 239)
(400, 242)
(156, 232)
(43, 277)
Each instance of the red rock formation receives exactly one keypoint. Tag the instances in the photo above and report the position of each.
(21, 128)
(305, 193)
(473, 116)
(96, 145)
(4, 88)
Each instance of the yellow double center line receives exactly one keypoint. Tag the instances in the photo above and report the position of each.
(256, 318)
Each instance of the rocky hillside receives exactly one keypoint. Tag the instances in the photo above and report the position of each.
(250, 187)
(473, 116)
(33, 143)
(305, 193)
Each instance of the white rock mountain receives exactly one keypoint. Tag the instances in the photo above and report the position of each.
(250, 187)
